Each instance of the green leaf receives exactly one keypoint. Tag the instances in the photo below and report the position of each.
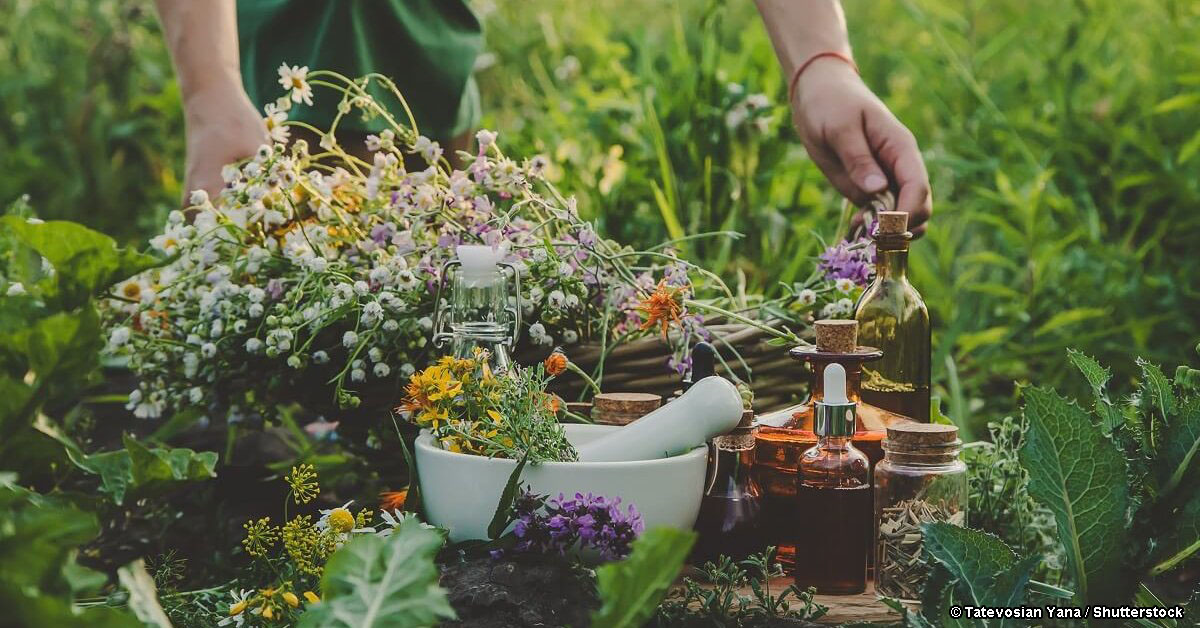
(1156, 390)
(970, 341)
(376, 581)
(38, 539)
(1178, 456)
(1177, 102)
(985, 571)
(1066, 318)
(631, 590)
(14, 397)
(86, 262)
(503, 515)
(143, 597)
(1081, 477)
(1098, 377)
(142, 471)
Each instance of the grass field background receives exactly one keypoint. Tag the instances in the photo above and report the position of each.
(1061, 137)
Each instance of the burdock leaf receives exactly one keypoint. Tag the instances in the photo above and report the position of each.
(374, 581)
(1081, 477)
(631, 589)
(985, 570)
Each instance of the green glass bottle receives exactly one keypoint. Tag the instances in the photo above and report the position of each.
(892, 317)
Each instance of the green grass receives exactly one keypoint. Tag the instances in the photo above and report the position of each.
(1060, 136)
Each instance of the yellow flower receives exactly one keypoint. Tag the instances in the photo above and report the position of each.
(496, 418)
(269, 612)
(340, 520)
(291, 599)
(239, 608)
(311, 597)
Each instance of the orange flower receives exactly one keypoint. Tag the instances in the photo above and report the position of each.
(662, 307)
(393, 500)
(556, 364)
(553, 403)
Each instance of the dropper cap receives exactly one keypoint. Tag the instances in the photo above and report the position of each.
(835, 414)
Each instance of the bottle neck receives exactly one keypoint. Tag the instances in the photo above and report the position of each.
(834, 443)
(891, 263)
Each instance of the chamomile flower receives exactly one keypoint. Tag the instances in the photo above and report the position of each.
(295, 80)
(844, 285)
(806, 297)
(274, 121)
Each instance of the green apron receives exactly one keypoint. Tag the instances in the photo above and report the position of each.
(428, 47)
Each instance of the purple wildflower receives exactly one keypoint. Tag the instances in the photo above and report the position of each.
(849, 260)
(586, 522)
(275, 289)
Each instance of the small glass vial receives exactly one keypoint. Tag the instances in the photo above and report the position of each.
(920, 480)
(730, 513)
(833, 499)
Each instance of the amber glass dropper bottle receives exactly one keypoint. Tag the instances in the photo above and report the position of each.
(892, 317)
(833, 498)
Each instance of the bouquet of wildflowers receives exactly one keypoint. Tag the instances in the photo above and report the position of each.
(314, 270)
(469, 409)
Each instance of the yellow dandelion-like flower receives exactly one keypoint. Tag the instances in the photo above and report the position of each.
(311, 597)
(291, 599)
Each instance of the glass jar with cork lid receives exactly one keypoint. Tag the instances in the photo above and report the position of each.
(920, 480)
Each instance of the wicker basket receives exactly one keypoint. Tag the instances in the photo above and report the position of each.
(641, 366)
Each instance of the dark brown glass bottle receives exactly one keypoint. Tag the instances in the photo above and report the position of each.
(783, 436)
(833, 499)
(892, 318)
(730, 513)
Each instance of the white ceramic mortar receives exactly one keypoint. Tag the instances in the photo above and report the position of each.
(460, 491)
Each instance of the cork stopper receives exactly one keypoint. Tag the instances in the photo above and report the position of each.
(620, 408)
(917, 436)
(837, 336)
(891, 223)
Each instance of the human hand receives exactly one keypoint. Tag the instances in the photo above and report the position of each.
(856, 141)
(222, 127)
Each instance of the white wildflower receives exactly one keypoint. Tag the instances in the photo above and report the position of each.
(349, 339)
(295, 79)
(807, 297)
(118, 337)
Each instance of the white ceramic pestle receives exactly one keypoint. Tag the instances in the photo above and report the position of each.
(711, 407)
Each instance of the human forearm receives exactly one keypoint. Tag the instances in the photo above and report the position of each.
(223, 126)
(800, 29)
(202, 38)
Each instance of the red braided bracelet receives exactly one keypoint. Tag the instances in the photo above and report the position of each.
(809, 61)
